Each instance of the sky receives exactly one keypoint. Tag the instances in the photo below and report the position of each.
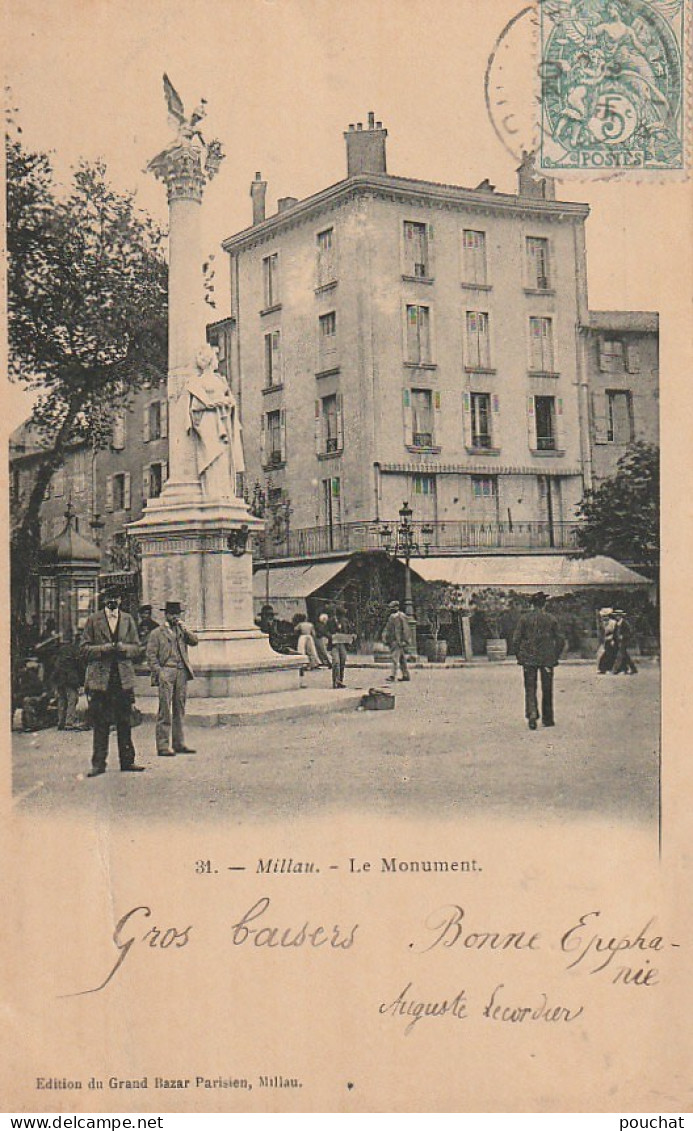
(283, 80)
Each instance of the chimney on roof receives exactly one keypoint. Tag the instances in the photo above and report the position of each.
(285, 202)
(366, 148)
(258, 192)
(531, 183)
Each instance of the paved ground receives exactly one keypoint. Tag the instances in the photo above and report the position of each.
(455, 744)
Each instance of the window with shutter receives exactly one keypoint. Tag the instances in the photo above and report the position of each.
(146, 483)
(282, 435)
(474, 258)
(537, 257)
(632, 358)
(481, 420)
(531, 424)
(118, 435)
(318, 429)
(619, 421)
(326, 272)
(109, 494)
(422, 418)
(418, 334)
(495, 421)
(599, 413)
(156, 480)
(126, 491)
(416, 255)
(327, 339)
(408, 423)
(273, 374)
(270, 277)
(478, 354)
(559, 421)
(145, 424)
(541, 358)
(610, 355)
(164, 418)
(467, 419)
(545, 418)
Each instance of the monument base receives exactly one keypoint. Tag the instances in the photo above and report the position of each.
(197, 551)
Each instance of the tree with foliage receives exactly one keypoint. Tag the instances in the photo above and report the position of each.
(87, 301)
(621, 516)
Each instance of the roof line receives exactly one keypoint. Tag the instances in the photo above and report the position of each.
(383, 182)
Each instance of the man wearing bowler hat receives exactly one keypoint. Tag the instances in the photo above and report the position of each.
(110, 644)
(538, 644)
(397, 636)
(167, 655)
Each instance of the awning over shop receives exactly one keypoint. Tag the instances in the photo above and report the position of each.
(289, 585)
(553, 573)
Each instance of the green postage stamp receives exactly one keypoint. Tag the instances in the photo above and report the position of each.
(613, 84)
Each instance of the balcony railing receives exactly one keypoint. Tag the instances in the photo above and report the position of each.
(439, 537)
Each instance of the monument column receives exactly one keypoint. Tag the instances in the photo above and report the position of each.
(194, 538)
(181, 169)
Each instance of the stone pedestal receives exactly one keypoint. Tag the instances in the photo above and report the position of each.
(199, 553)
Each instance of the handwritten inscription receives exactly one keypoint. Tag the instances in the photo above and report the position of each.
(588, 949)
(406, 1005)
(273, 935)
(447, 926)
(598, 951)
(128, 932)
(583, 948)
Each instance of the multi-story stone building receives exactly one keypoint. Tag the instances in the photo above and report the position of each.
(394, 339)
(397, 339)
(622, 358)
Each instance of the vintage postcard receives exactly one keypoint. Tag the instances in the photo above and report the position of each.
(346, 616)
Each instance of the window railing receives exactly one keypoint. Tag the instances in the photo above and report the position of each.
(546, 443)
(481, 440)
(422, 439)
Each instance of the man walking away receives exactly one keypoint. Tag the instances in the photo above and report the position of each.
(538, 645)
(623, 638)
(167, 656)
(397, 636)
(110, 644)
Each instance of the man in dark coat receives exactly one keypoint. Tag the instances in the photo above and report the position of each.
(538, 644)
(145, 623)
(623, 638)
(110, 644)
(397, 636)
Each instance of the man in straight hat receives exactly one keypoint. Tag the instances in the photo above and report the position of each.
(167, 655)
(110, 644)
(538, 644)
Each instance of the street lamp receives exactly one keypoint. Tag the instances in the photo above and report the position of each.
(406, 546)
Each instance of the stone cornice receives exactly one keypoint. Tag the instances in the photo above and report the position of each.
(405, 191)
